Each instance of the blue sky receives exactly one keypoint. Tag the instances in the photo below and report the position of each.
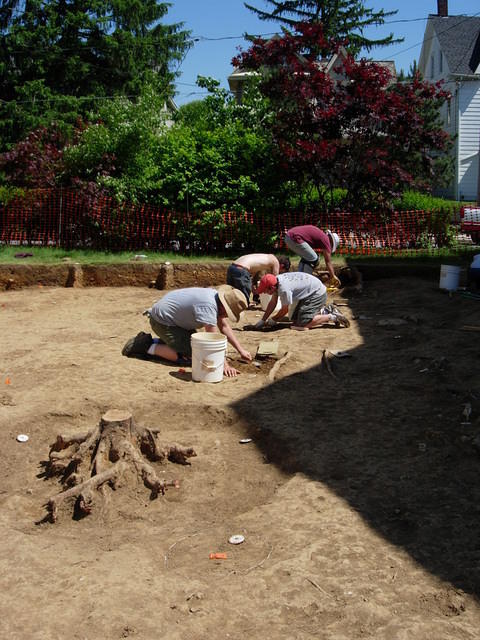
(218, 27)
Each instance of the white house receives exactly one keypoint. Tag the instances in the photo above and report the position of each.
(169, 109)
(451, 52)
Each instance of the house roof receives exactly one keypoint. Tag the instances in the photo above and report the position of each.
(459, 38)
(239, 75)
(388, 64)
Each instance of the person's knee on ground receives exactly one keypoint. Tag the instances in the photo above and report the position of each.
(319, 319)
(316, 321)
(327, 314)
(161, 350)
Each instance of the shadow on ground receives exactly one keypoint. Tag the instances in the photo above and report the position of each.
(386, 433)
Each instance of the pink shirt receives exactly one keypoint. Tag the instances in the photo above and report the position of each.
(312, 235)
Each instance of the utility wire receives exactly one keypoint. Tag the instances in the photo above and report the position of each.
(200, 38)
(66, 97)
(453, 26)
(207, 39)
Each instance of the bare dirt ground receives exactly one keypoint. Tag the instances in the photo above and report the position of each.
(358, 496)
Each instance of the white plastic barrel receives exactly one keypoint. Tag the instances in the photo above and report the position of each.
(449, 277)
(208, 356)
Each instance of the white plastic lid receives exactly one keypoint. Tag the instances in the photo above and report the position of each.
(22, 437)
(236, 539)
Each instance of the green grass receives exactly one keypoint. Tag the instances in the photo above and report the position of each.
(52, 255)
(413, 258)
(404, 258)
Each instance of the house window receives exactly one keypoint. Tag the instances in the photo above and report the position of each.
(432, 66)
(440, 62)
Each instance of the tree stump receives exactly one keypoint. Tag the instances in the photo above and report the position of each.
(90, 462)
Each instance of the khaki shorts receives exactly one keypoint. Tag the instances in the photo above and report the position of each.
(175, 337)
(308, 308)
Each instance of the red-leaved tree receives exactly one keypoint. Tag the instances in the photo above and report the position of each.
(348, 124)
(38, 162)
(35, 162)
(37, 167)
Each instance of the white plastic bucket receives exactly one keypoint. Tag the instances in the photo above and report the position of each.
(449, 277)
(208, 356)
(265, 299)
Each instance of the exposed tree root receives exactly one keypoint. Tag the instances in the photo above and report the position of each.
(274, 370)
(89, 462)
(326, 362)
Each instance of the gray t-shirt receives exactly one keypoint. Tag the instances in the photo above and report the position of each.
(189, 308)
(297, 285)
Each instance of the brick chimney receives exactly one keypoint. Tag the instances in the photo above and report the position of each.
(442, 8)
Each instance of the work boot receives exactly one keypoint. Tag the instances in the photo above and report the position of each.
(138, 346)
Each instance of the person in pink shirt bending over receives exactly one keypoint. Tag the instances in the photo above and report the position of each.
(306, 241)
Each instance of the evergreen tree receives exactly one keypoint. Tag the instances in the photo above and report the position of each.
(341, 19)
(52, 50)
(413, 70)
(412, 73)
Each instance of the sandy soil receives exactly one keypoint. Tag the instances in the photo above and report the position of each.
(358, 497)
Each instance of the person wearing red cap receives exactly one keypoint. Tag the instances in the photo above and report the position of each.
(304, 290)
(306, 241)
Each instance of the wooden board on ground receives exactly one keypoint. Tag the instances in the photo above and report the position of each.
(268, 349)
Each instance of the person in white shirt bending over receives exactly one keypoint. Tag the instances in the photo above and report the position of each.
(304, 290)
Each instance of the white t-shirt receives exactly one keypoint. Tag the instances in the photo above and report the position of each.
(189, 308)
(297, 285)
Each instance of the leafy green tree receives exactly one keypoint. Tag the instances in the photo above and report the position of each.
(191, 112)
(217, 156)
(117, 151)
(78, 52)
(341, 19)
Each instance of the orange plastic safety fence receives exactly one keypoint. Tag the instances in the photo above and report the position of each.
(69, 219)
